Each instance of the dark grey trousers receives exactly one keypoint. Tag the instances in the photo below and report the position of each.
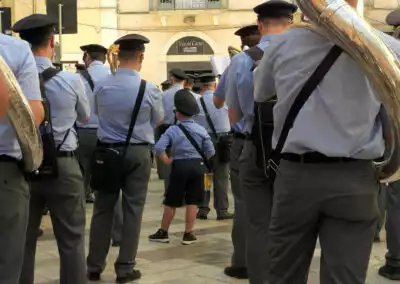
(14, 211)
(239, 220)
(220, 189)
(163, 170)
(382, 201)
(87, 144)
(64, 197)
(335, 202)
(393, 224)
(136, 169)
(118, 222)
(257, 194)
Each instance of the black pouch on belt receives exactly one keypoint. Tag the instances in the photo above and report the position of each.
(107, 164)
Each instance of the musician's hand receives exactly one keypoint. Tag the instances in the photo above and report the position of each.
(166, 160)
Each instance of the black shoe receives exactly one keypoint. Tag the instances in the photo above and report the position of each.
(201, 216)
(377, 239)
(236, 272)
(93, 276)
(131, 277)
(226, 216)
(40, 233)
(160, 236)
(189, 238)
(389, 272)
(90, 198)
(116, 244)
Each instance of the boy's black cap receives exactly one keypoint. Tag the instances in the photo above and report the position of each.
(207, 78)
(275, 9)
(185, 103)
(247, 31)
(33, 22)
(93, 48)
(179, 73)
(132, 42)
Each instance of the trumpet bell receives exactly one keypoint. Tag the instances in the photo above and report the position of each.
(112, 57)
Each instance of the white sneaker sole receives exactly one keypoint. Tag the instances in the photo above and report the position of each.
(186, 243)
(163, 241)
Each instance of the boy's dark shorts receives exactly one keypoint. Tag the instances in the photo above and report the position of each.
(186, 184)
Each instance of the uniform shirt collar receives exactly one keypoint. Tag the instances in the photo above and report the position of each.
(265, 38)
(186, 120)
(95, 63)
(127, 71)
(43, 61)
(208, 93)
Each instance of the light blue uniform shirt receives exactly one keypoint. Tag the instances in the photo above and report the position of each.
(68, 103)
(239, 91)
(340, 119)
(181, 148)
(18, 55)
(220, 93)
(168, 103)
(219, 117)
(97, 71)
(116, 96)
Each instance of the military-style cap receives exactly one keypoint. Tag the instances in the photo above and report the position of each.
(393, 18)
(207, 78)
(275, 9)
(33, 22)
(247, 31)
(132, 42)
(179, 73)
(94, 48)
(185, 103)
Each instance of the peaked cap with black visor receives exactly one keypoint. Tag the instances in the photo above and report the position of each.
(275, 9)
(132, 42)
(32, 28)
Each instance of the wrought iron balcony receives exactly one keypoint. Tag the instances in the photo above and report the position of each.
(188, 4)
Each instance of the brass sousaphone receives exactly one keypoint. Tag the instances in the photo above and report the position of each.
(112, 57)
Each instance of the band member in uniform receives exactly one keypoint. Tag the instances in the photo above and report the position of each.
(216, 122)
(62, 195)
(250, 36)
(189, 85)
(177, 77)
(188, 169)
(94, 57)
(273, 18)
(116, 96)
(326, 187)
(14, 189)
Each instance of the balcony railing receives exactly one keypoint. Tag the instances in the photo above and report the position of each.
(188, 4)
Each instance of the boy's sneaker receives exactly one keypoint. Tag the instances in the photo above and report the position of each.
(160, 236)
(189, 238)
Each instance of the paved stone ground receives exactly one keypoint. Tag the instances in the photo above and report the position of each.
(173, 263)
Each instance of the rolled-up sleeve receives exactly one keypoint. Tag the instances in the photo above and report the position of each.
(83, 105)
(157, 110)
(27, 74)
(208, 146)
(164, 141)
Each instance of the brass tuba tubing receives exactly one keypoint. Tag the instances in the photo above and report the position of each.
(112, 57)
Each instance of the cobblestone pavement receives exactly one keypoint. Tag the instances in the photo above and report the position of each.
(173, 263)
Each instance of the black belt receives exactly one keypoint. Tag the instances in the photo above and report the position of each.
(8, 159)
(120, 144)
(314, 158)
(239, 135)
(65, 154)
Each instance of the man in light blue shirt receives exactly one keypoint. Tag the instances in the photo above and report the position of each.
(116, 96)
(94, 57)
(273, 18)
(250, 37)
(63, 195)
(14, 189)
(216, 122)
(326, 187)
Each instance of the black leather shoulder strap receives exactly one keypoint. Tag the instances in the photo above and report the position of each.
(85, 74)
(208, 117)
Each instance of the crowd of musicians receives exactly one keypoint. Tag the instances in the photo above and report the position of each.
(319, 183)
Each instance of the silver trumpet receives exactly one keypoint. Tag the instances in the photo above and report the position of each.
(21, 117)
(341, 23)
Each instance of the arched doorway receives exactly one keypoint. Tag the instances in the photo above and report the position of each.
(191, 54)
